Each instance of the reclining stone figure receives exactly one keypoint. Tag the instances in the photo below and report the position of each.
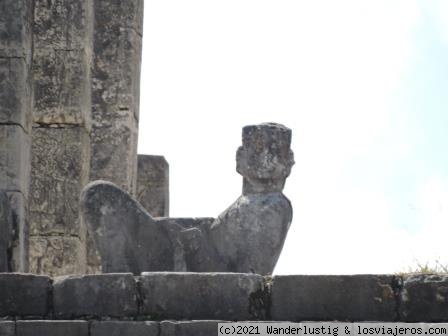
(247, 237)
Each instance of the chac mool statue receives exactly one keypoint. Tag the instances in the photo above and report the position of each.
(247, 237)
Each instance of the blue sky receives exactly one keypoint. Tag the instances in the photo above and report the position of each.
(363, 87)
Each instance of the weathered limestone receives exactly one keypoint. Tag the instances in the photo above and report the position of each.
(7, 328)
(15, 92)
(15, 62)
(15, 115)
(52, 328)
(24, 295)
(14, 159)
(153, 184)
(247, 237)
(20, 245)
(238, 296)
(112, 295)
(125, 248)
(115, 98)
(57, 254)
(6, 231)
(123, 328)
(115, 91)
(334, 297)
(61, 62)
(122, 302)
(63, 32)
(424, 297)
(60, 170)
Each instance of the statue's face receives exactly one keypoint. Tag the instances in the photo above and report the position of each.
(265, 158)
(263, 163)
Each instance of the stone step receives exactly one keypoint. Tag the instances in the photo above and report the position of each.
(159, 296)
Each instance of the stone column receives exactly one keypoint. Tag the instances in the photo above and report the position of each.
(15, 115)
(115, 97)
(115, 91)
(63, 31)
(153, 184)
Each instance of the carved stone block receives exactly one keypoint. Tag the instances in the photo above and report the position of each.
(238, 296)
(20, 244)
(424, 297)
(15, 28)
(334, 297)
(60, 170)
(6, 231)
(52, 328)
(24, 295)
(57, 255)
(61, 87)
(15, 92)
(114, 153)
(14, 158)
(153, 184)
(113, 295)
(124, 328)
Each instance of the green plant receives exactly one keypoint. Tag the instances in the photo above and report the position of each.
(435, 267)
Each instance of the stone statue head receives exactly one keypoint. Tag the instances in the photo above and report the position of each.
(265, 158)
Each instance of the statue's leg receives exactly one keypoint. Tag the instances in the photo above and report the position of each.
(127, 237)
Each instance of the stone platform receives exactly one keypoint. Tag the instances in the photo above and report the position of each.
(164, 303)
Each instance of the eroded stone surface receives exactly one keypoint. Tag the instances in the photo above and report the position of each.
(62, 61)
(115, 91)
(60, 170)
(213, 296)
(247, 237)
(7, 328)
(6, 231)
(15, 28)
(153, 184)
(123, 328)
(141, 244)
(15, 63)
(52, 328)
(335, 297)
(61, 89)
(424, 298)
(24, 295)
(56, 255)
(15, 92)
(63, 32)
(113, 295)
(14, 158)
(114, 152)
(20, 243)
(265, 158)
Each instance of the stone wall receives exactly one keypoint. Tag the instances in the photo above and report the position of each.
(155, 303)
(160, 296)
(16, 99)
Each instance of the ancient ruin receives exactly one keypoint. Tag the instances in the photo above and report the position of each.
(69, 107)
(69, 112)
(247, 237)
